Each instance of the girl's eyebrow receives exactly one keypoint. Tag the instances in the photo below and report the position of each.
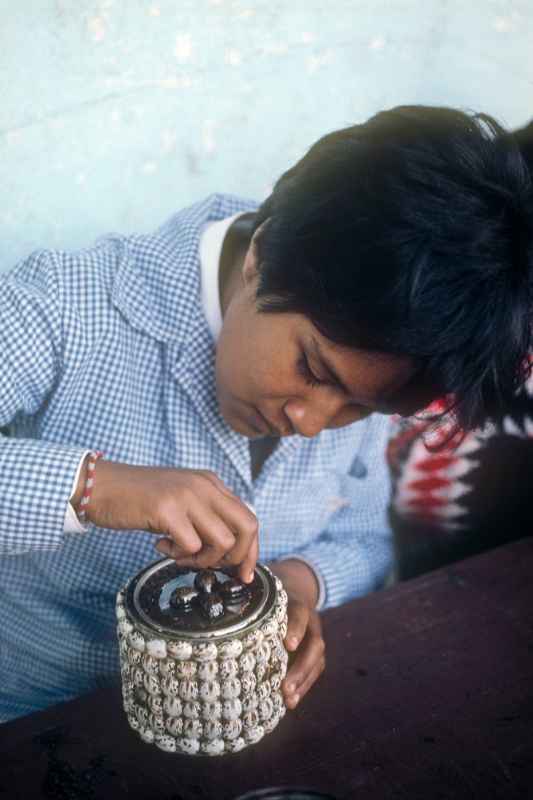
(328, 368)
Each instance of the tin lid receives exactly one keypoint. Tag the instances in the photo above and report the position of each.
(150, 602)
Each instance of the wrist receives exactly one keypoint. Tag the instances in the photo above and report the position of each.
(298, 579)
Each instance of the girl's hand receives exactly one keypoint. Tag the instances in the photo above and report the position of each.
(304, 629)
(201, 522)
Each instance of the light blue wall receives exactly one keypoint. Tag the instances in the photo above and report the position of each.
(114, 113)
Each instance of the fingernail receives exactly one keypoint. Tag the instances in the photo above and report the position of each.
(295, 700)
(250, 577)
(293, 642)
(291, 687)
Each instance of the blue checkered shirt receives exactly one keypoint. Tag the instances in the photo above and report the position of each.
(108, 348)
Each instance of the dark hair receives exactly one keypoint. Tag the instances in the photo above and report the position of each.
(411, 234)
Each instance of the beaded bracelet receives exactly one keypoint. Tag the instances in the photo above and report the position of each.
(94, 455)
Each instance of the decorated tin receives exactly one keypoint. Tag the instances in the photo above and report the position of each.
(202, 657)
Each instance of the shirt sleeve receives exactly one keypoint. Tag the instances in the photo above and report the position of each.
(72, 523)
(36, 476)
(354, 555)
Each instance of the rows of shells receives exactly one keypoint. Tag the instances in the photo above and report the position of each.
(204, 697)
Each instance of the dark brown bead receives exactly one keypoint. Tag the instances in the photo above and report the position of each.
(212, 605)
(206, 581)
(182, 598)
(234, 591)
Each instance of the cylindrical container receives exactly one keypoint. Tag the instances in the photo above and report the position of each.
(196, 685)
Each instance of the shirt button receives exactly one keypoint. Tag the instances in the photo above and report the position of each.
(358, 469)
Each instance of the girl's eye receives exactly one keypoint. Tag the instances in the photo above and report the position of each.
(306, 372)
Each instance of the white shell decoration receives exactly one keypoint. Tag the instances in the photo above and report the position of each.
(231, 688)
(147, 735)
(192, 728)
(249, 703)
(231, 709)
(248, 683)
(192, 709)
(125, 627)
(205, 651)
(209, 691)
(136, 640)
(213, 747)
(253, 735)
(157, 648)
(270, 724)
(234, 745)
(174, 725)
(229, 668)
(186, 669)
(213, 729)
(170, 686)
(262, 654)
(231, 649)
(211, 710)
(172, 706)
(150, 664)
(231, 729)
(253, 639)
(208, 670)
(180, 650)
(246, 662)
(167, 666)
(166, 742)
(199, 696)
(189, 746)
(266, 709)
(188, 690)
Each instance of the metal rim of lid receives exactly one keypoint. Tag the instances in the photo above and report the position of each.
(134, 587)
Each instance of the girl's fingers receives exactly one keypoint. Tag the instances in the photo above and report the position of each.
(310, 679)
(297, 625)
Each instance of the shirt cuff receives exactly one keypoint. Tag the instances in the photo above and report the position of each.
(319, 579)
(71, 523)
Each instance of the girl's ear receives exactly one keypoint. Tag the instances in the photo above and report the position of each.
(250, 269)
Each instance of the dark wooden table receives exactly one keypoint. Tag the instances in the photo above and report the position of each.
(428, 694)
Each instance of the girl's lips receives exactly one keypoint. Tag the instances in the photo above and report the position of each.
(272, 429)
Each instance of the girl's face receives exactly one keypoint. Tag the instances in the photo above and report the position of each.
(278, 375)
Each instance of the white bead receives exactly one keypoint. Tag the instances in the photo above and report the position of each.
(212, 729)
(186, 669)
(136, 640)
(174, 725)
(234, 745)
(231, 709)
(166, 742)
(253, 639)
(205, 651)
(157, 648)
(229, 668)
(214, 747)
(147, 735)
(231, 649)
(208, 670)
(180, 650)
(231, 688)
(188, 690)
(231, 729)
(209, 690)
(172, 706)
(246, 662)
(192, 709)
(189, 746)
(253, 735)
